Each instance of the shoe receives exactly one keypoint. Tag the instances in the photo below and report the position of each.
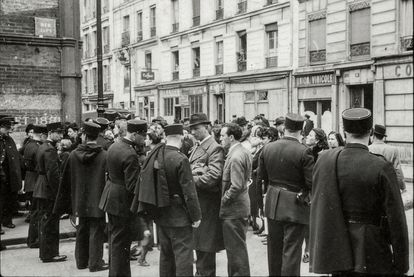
(143, 263)
(1, 232)
(99, 268)
(9, 225)
(305, 258)
(55, 259)
(34, 245)
(81, 267)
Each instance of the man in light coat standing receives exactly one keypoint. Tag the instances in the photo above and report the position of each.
(235, 203)
(207, 160)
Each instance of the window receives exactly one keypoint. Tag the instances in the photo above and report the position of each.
(153, 22)
(406, 24)
(175, 15)
(242, 53)
(105, 6)
(175, 64)
(219, 57)
(94, 43)
(126, 23)
(256, 102)
(152, 109)
(196, 61)
(219, 9)
(125, 33)
(148, 60)
(139, 26)
(360, 34)
(196, 103)
(317, 40)
(105, 35)
(86, 45)
(95, 80)
(242, 6)
(168, 106)
(85, 81)
(126, 78)
(272, 44)
(196, 12)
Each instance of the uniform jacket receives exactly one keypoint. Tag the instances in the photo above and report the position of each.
(235, 202)
(207, 162)
(391, 154)
(355, 181)
(286, 162)
(11, 162)
(185, 207)
(29, 158)
(47, 162)
(83, 181)
(123, 170)
(103, 142)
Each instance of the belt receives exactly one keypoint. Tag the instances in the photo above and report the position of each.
(287, 187)
(362, 218)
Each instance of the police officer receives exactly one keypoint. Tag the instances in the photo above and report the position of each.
(29, 157)
(123, 170)
(102, 141)
(286, 165)
(45, 190)
(356, 197)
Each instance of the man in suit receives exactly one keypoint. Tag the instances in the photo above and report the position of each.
(308, 126)
(83, 180)
(123, 171)
(355, 195)
(235, 203)
(207, 160)
(286, 166)
(45, 191)
(389, 152)
(102, 141)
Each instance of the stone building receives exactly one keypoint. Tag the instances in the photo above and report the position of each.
(39, 62)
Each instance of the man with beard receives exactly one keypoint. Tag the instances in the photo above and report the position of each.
(207, 160)
(46, 187)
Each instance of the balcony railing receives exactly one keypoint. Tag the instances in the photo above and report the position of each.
(196, 72)
(317, 56)
(196, 20)
(242, 7)
(125, 39)
(139, 35)
(271, 62)
(153, 31)
(270, 2)
(175, 27)
(219, 14)
(241, 66)
(407, 43)
(219, 69)
(175, 75)
(106, 48)
(360, 49)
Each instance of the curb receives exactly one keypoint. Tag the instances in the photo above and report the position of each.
(16, 241)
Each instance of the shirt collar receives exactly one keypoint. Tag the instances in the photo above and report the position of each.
(356, 145)
(290, 137)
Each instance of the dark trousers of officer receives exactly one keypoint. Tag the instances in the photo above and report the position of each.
(234, 235)
(119, 245)
(8, 200)
(206, 263)
(284, 247)
(49, 231)
(89, 242)
(34, 225)
(176, 254)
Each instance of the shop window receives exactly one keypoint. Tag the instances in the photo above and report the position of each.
(272, 44)
(360, 34)
(262, 95)
(256, 102)
(141, 109)
(249, 96)
(186, 112)
(406, 24)
(317, 41)
(320, 113)
(168, 106)
(196, 103)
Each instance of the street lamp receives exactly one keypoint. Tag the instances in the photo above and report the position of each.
(124, 56)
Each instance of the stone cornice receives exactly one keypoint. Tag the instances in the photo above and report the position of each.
(37, 41)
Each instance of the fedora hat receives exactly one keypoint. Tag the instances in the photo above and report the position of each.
(198, 118)
(380, 130)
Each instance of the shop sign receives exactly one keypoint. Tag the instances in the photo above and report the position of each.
(193, 91)
(398, 71)
(147, 75)
(314, 80)
(45, 27)
(171, 92)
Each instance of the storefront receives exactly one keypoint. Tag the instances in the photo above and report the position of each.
(147, 99)
(217, 99)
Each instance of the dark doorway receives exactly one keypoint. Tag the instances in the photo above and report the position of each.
(361, 96)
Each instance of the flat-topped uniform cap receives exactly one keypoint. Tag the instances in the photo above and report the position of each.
(111, 115)
(91, 129)
(174, 129)
(135, 125)
(280, 120)
(380, 130)
(6, 121)
(357, 120)
(103, 122)
(294, 122)
(54, 127)
(40, 129)
(73, 126)
(198, 118)
(241, 121)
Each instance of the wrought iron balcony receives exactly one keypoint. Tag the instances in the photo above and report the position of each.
(153, 31)
(271, 62)
(407, 43)
(219, 69)
(175, 27)
(139, 35)
(125, 39)
(106, 48)
(175, 75)
(360, 49)
(219, 14)
(196, 20)
(241, 66)
(317, 56)
(242, 7)
(196, 72)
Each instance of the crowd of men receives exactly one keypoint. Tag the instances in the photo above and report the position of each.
(203, 184)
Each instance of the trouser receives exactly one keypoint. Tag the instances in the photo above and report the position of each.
(306, 239)
(206, 263)
(49, 231)
(34, 225)
(284, 247)
(89, 242)
(119, 245)
(8, 201)
(176, 254)
(234, 235)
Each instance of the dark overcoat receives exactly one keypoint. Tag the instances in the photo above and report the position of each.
(207, 162)
(13, 163)
(103, 142)
(83, 181)
(29, 159)
(374, 240)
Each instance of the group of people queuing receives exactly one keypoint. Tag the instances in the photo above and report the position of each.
(202, 184)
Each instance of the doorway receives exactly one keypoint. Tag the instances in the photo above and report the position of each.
(361, 96)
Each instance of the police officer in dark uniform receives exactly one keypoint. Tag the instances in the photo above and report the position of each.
(123, 170)
(102, 141)
(355, 195)
(29, 157)
(46, 187)
(286, 165)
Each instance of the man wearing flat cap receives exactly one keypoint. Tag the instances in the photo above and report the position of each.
(102, 141)
(45, 191)
(286, 166)
(390, 153)
(80, 189)
(280, 125)
(123, 170)
(358, 224)
(207, 161)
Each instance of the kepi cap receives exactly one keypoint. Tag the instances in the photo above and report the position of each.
(357, 120)
(241, 121)
(91, 129)
(54, 127)
(40, 129)
(6, 121)
(380, 130)
(280, 120)
(103, 122)
(294, 122)
(135, 125)
(174, 129)
(111, 115)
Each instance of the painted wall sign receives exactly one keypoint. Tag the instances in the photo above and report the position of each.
(45, 27)
(398, 71)
(147, 75)
(314, 80)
